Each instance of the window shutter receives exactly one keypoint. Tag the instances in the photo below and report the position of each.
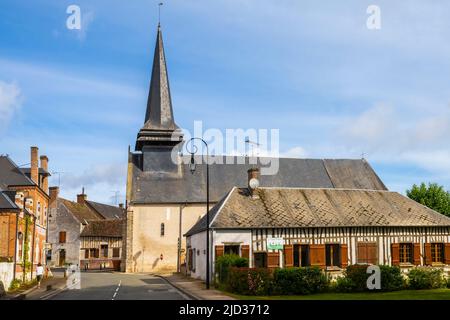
(344, 256)
(219, 251)
(428, 259)
(288, 255)
(395, 254)
(245, 251)
(317, 255)
(416, 252)
(372, 253)
(273, 259)
(86, 253)
(446, 253)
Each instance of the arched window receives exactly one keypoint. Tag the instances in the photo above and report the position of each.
(162, 229)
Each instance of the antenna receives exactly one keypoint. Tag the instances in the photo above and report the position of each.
(252, 145)
(159, 13)
(59, 176)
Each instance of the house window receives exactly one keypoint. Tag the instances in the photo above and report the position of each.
(437, 252)
(93, 253)
(406, 253)
(367, 252)
(86, 253)
(301, 255)
(62, 237)
(260, 259)
(116, 252)
(332, 255)
(162, 229)
(231, 249)
(104, 249)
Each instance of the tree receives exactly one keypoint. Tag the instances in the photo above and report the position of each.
(434, 196)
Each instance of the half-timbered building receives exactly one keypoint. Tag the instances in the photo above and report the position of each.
(325, 227)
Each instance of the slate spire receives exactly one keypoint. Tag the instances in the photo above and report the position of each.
(159, 127)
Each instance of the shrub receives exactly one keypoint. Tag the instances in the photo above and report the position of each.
(357, 275)
(448, 282)
(426, 278)
(391, 278)
(15, 284)
(299, 281)
(344, 284)
(223, 264)
(249, 281)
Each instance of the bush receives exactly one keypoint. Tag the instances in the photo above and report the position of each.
(249, 281)
(344, 284)
(15, 284)
(299, 281)
(357, 275)
(225, 262)
(426, 278)
(448, 282)
(391, 278)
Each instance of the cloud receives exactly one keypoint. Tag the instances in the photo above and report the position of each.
(10, 101)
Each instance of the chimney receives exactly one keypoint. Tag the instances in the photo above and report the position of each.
(253, 181)
(81, 198)
(54, 193)
(34, 174)
(44, 165)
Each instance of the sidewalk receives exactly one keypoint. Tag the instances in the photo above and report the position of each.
(35, 293)
(194, 288)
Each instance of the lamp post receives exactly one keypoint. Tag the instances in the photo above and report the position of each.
(192, 169)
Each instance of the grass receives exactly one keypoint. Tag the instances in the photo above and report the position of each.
(435, 294)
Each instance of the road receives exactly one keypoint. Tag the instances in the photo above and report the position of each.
(119, 286)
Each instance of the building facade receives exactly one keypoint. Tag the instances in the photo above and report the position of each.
(164, 199)
(80, 232)
(327, 228)
(24, 202)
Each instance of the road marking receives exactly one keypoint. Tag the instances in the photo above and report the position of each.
(117, 290)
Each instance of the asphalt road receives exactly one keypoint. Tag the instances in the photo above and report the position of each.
(119, 286)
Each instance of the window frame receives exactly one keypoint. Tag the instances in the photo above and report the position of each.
(406, 253)
(435, 248)
(61, 238)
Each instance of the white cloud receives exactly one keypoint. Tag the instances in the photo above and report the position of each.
(10, 102)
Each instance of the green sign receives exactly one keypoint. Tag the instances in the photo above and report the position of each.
(275, 243)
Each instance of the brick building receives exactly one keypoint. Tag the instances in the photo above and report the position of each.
(24, 203)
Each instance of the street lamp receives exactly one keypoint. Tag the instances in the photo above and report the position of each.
(192, 169)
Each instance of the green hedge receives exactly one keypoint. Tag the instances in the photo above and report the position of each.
(301, 281)
(355, 279)
(426, 278)
(225, 262)
(249, 281)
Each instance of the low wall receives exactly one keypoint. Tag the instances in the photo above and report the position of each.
(6, 273)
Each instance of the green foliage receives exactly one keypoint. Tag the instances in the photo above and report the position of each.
(426, 278)
(291, 281)
(448, 282)
(355, 279)
(225, 262)
(249, 281)
(15, 284)
(391, 278)
(433, 196)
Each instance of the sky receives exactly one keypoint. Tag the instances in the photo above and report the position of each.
(312, 69)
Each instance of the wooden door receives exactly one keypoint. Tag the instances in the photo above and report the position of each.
(62, 257)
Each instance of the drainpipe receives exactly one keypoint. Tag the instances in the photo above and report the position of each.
(182, 206)
(32, 248)
(25, 243)
(15, 244)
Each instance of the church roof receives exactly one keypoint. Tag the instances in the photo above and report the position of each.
(159, 123)
(306, 207)
(153, 187)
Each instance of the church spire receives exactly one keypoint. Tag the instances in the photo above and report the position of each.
(159, 123)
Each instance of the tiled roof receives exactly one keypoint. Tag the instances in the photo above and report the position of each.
(6, 203)
(11, 175)
(103, 228)
(80, 211)
(303, 207)
(107, 211)
(150, 187)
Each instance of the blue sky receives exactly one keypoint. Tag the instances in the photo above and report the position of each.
(312, 69)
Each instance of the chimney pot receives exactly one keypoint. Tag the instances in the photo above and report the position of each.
(253, 181)
(81, 198)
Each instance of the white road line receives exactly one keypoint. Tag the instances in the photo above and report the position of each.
(117, 289)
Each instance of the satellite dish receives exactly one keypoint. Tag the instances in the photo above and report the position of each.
(253, 183)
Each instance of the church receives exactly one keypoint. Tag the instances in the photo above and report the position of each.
(165, 200)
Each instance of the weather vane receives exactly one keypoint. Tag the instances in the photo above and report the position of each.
(159, 12)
